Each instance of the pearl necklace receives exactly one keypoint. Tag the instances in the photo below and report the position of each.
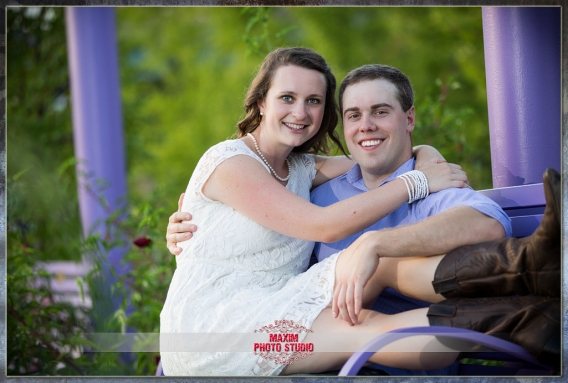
(267, 164)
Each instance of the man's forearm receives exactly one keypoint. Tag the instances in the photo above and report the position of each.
(438, 234)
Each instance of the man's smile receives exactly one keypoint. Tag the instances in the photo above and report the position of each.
(371, 143)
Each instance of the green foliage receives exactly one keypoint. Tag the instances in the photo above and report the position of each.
(148, 280)
(259, 16)
(45, 335)
(39, 134)
(183, 88)
(260, 43)
(40, 330)
(48, 337)
(443, 126)
(483, 362)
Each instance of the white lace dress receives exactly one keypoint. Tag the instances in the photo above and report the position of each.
(235, 276)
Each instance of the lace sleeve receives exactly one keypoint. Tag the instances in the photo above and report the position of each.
(309, 164)
(213, 158)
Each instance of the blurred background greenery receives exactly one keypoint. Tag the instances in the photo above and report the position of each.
(184, 73)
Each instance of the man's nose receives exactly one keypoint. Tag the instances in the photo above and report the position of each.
(367, 123)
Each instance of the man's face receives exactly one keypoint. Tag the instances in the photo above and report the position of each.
(377, 130)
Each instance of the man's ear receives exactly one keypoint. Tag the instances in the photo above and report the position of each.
(410, 119)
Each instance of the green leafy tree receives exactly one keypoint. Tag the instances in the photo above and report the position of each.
(183, 89)
(39, 134)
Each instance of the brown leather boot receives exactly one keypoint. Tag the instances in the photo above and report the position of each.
(508, 266)
(532, 322)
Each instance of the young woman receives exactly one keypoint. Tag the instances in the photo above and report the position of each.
(250, 196)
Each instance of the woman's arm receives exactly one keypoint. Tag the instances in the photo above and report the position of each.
(426, 154)
(258, 196)
(328, 168)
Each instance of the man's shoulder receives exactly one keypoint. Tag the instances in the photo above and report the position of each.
(457, 196)
(454, 197)
(332, 183)
(465, 192)
(330, 191)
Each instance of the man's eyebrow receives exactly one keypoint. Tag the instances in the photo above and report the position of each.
(382, 105)
(352, 109)
(373, 107)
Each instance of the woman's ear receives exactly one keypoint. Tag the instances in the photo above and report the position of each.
(260, 104)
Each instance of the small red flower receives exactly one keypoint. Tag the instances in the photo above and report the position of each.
(142, 241)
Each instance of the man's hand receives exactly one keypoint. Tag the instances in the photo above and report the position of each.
(178, 231)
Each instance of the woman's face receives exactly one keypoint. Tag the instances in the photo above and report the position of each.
(294, 105)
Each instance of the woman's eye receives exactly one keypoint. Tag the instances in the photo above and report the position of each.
(287, 98)
(314, 101)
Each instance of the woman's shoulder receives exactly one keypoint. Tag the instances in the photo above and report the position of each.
(228, 144)
(227, 148)
(213, 157)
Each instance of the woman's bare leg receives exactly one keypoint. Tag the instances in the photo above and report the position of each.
(411, 276)
(418, 352)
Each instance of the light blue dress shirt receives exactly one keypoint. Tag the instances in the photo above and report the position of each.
(351, 184)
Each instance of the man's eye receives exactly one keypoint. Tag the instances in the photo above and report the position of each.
(353, 116)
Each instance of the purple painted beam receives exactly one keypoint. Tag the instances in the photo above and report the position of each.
(523, 204)
(97, 118)
(517, 196)
(359, 358)
(522, 62)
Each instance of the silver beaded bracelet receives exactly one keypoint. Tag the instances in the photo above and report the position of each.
(416, 185)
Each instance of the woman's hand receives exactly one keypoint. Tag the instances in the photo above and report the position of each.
(443, 175)
(355, 266)
(178, 231)
(439, 177)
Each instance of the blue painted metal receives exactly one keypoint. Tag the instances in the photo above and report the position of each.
(97, 121)
(522, 63)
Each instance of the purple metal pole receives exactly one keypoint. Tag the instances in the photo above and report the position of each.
(97, 118)
(522, 63)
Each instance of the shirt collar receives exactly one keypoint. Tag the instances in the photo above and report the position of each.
(355, 178)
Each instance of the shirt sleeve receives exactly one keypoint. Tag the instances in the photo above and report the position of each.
(454, 197)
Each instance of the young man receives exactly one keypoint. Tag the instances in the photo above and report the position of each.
(376, 103)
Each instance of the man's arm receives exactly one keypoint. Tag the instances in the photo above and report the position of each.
(178, 231)
(438, 234)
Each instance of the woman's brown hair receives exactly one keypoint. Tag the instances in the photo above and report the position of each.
(304, 58)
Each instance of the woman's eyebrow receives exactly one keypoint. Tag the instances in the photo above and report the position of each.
(295, 94)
